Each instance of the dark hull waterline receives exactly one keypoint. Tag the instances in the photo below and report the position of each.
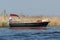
(27, 28)
(41, 24)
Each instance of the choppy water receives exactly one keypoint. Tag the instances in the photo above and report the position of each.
(51, 33)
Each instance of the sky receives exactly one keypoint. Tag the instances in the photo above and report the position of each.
(31, 7)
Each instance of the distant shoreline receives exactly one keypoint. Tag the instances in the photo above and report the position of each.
(54, 21)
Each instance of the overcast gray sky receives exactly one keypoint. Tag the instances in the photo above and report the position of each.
(31, 7)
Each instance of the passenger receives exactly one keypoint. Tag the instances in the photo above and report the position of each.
(10, 20)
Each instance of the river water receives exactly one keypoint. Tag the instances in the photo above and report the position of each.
(50, 33)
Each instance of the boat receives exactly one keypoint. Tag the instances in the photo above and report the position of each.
(31, 25)
(28, 25)
(41, 24)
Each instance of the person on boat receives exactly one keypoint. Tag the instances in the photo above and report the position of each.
(10, 19)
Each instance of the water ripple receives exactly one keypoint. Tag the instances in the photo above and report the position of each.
(8, 34)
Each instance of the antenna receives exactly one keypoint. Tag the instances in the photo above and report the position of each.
(4, 14)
